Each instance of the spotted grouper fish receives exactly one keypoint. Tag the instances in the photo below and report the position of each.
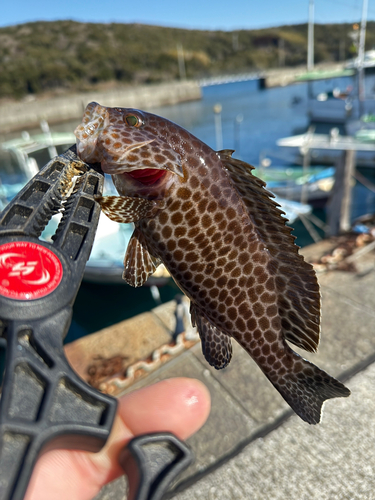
(222, 238)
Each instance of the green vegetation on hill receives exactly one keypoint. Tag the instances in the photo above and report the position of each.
(66, 55)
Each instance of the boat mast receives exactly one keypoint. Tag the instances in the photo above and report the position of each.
(361, 52)
(310, 46)
(310, 37)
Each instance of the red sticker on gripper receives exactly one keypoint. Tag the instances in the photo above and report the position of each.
(28, 271)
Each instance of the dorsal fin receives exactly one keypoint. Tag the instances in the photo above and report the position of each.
(298, 289)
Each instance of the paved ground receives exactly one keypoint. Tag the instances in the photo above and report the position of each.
(254, 447)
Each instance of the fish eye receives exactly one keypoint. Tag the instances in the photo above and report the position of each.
(133, 120)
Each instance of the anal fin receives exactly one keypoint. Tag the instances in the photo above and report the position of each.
(138, 262)
(127, 209)
(216, 346)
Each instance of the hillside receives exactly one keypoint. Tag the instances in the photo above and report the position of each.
(67, 55)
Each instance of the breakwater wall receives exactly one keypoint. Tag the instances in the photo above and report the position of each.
(273, 77)
(28, 114)
(280, 77)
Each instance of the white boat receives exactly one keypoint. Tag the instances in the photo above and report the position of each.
(21, 159)
(312, 184)
(367, 63)
(362, 129)
(327, 148)
(338, 105)
(293, 209)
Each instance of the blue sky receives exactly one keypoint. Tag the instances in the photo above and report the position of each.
(218, 14)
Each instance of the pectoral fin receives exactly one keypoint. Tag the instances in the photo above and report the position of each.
(139, 263)
(216, 346)
(127, 209)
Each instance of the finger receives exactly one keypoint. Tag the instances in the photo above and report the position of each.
(178, 405)
(170, 399)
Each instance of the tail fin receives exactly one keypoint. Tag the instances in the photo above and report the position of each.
(306, 389)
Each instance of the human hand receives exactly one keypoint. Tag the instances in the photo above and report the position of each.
(179, 405)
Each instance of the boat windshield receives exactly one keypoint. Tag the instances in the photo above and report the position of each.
(43, 155)
(12, 176)
(9, 165)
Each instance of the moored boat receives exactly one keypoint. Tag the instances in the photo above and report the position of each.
(312, 185)
(21, 159)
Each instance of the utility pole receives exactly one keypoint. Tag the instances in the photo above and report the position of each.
(342, 50)
(281, 47)
(218, 128)
(181, 61)
(310, 37)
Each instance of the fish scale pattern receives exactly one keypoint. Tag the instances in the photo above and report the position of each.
(224, 242)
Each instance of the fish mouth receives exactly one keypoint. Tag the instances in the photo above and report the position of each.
(147, 176)
(128, 160)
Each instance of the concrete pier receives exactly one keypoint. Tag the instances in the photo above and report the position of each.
(28, 114)
(253, 446)
(280, 77)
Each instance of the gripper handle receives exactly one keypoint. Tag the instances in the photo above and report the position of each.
(44, 404)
